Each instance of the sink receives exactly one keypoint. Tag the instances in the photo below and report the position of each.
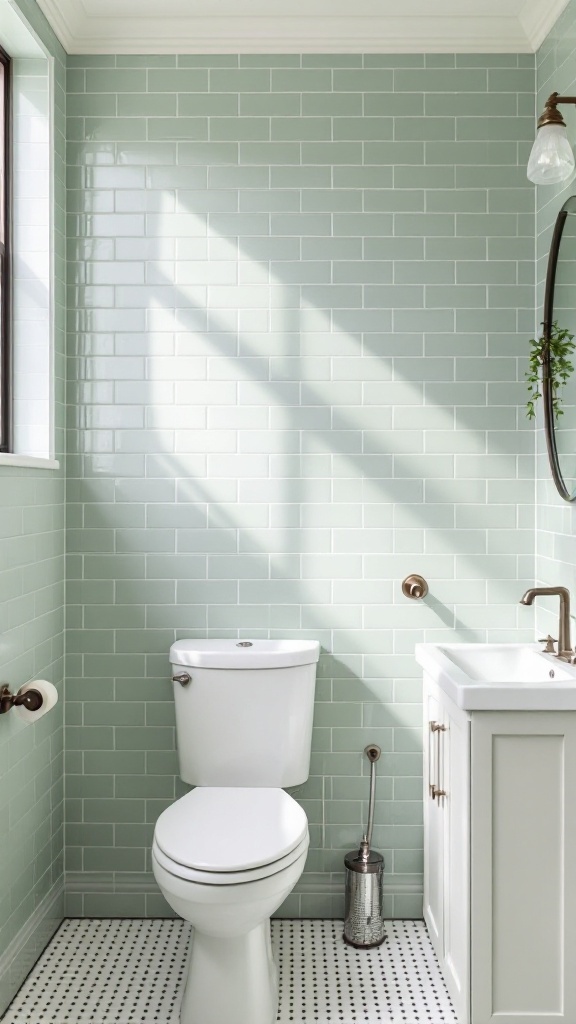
(500, 677)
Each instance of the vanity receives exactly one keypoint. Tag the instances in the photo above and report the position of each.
(500, 829)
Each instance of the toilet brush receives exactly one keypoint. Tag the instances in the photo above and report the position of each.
(363, 922)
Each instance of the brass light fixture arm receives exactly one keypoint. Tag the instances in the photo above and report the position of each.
(551, 114)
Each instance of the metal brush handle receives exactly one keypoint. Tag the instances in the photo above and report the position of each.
(372, 753)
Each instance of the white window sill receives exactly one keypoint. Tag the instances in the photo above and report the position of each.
(28, 461)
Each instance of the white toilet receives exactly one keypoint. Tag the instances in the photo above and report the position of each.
(227, 854)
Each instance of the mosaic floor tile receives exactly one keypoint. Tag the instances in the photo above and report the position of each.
(132, 972)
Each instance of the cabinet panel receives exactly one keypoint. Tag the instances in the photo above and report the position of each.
(447, 843)
(523, 879)
(456, 807)
(434, 831)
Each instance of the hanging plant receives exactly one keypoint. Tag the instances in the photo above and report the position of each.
(559, 346)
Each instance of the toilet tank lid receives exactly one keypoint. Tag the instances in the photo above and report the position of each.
(244, 653)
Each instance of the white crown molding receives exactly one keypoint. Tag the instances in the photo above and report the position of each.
(57, 14)
(537, 19)
(83, 34)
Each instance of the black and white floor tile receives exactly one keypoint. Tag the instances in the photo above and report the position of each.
(132, 972)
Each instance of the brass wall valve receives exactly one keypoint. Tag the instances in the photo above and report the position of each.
(414, 586)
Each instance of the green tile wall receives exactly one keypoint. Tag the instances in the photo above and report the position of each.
(31, 625)
(555, 524)
(299, 295)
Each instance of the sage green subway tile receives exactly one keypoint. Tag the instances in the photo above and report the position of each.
(368, 223)
(275, 60)
(143, 738)
(92, 105)
(88, 835)
(305, 129)
(119, 762)
(205, 104)
(389, 152)
(199, 60)
(424, 177)
(148, 104)
(161, 60)
(445, 80)
(89, 785)
(365, 272)
(425, 128)
(520, 128)
(113, 859)
(459, 201)
(511, 80)
(483, 105)
(486, 272)
(510, 200)
(263, 104)
(179, 128)
(301, 177)
(477, 153)
(93, 738)
(114, 128)
(75, 80)
(395, 248)
(113, 665)
(213, 153)
(402, 200)
(240, 80)
(424, 272)
(114, 904)
(116, 80)
(95, 689)
(332, 153)
(116, 713)
(188, 80)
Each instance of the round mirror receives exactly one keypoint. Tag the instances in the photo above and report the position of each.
(560, 308)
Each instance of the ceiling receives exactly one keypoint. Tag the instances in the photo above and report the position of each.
(301, 26)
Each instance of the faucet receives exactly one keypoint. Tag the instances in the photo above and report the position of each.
(565, 651)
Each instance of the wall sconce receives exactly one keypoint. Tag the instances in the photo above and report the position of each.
(551, 160)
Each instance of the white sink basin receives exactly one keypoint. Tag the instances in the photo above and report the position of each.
(500, 677)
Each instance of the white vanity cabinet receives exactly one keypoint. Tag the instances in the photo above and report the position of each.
(500, 859)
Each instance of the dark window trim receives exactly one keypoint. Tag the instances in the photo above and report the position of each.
(5, 269)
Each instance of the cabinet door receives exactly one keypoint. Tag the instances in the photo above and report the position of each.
(523, 867)
(447, 841)
(433, 829)
(455, 806)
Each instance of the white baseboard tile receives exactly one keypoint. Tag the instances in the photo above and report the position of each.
(22, 953)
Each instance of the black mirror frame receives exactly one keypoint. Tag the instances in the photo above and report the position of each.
(547, 395)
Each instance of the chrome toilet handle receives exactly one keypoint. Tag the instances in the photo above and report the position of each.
(183, 678)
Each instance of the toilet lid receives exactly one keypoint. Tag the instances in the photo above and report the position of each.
(229, 829)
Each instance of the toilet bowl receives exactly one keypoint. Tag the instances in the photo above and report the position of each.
(225, 859)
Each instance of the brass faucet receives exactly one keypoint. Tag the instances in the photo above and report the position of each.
(565, 652)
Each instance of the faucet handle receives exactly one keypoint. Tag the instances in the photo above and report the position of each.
(549, 641)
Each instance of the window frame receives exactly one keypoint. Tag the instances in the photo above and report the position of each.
(6, 390)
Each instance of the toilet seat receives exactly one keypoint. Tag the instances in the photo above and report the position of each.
(220, 878)
(224, 836)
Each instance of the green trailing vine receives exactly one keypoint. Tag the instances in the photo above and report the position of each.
(560, 346)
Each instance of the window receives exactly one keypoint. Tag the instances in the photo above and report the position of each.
(5, 361)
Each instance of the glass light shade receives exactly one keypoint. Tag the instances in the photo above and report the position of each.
(551, 159)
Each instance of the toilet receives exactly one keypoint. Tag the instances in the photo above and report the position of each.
(228, 853)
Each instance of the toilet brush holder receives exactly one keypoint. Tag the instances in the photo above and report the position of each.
(363, 921)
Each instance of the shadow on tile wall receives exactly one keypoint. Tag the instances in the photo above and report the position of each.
(300, 289)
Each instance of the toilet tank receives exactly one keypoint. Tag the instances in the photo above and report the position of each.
(245, 716)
